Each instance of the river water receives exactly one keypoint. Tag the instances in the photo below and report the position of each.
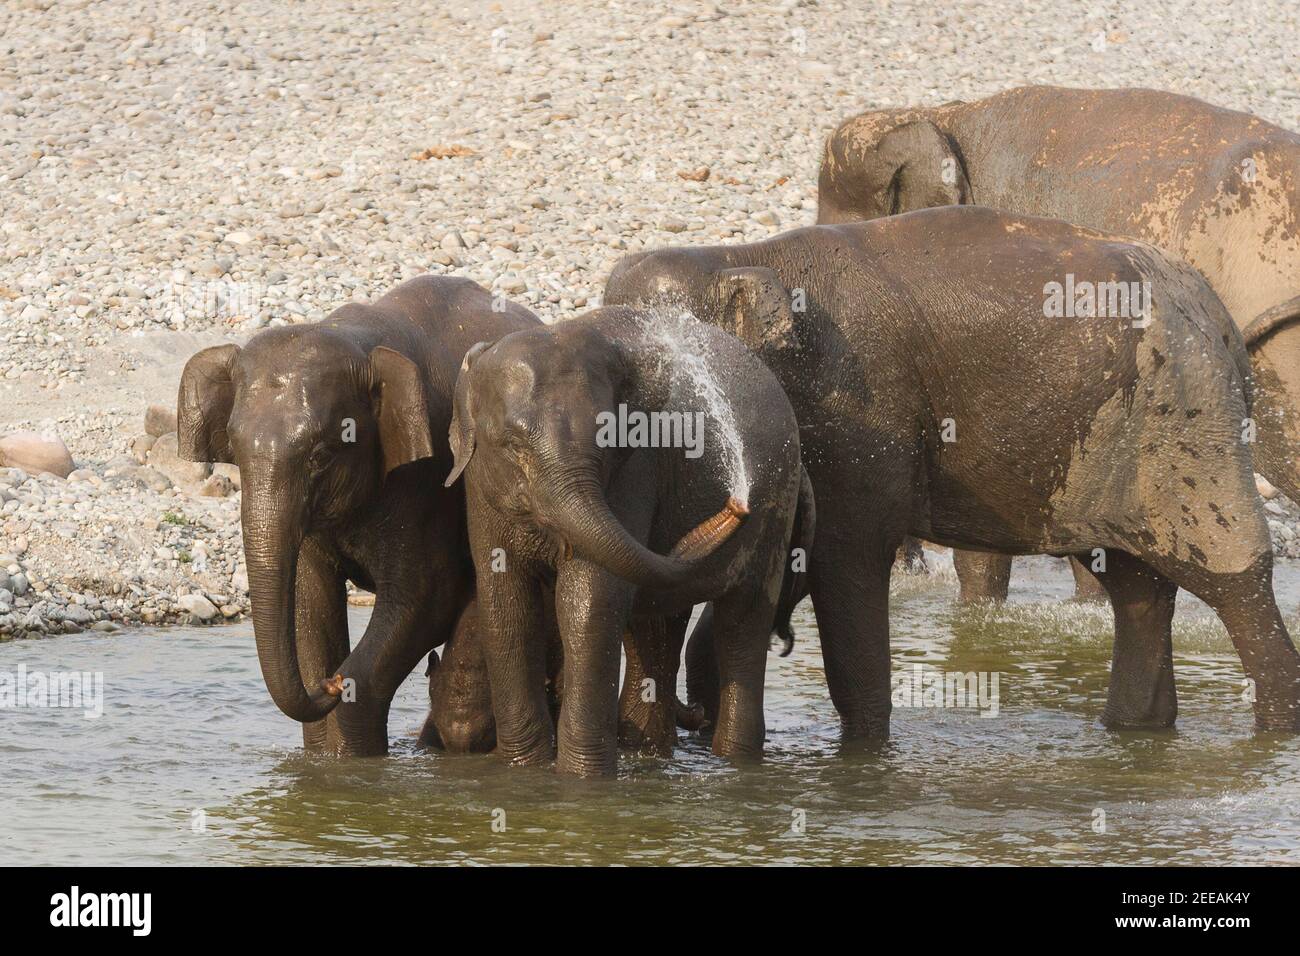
(191, 763)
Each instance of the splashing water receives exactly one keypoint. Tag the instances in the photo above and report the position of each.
(686, 355)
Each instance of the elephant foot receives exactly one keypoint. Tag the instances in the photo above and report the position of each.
(528, 758)
(690, 717)
(345, 734)
(866, 727)
(984, 578)
(1157, 714)
(1277, 724)
(529, 751)
(1077, 598)
(576, 763)
(1153, 722)
(737, 751)
(648, 728)
(911, 557)
(1277, 718)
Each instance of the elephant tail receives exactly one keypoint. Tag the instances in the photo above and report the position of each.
(1274, 393)
(1270, 320)
(794, 586)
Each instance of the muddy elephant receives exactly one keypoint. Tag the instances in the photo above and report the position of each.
(936, 397)
(596, 455)
(1217, 188)
(338, 429)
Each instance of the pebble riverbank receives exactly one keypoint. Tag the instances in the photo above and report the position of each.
(175, 174)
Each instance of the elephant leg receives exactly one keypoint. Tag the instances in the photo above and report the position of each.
(510, 605)
(1245, 603)
(742, 628)
(554, 658)
(321, 619)
(702, 671)
(912, 554)
(410, 618)
(593, 607)
(1142, 666)
(647, 719)
(1087, 586)
(984, 577)
(850, 592)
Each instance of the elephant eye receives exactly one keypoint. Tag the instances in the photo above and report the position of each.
(319, 459)
(514, 433)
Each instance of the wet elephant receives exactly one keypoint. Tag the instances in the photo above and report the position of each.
(936, 397)
(562, 494)
(339, 431)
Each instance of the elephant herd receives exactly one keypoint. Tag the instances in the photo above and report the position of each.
(1052, 321)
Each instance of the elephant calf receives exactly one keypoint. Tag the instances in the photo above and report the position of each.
(1217, 188)
(943, 390)
(567, 488)
(460, 697)
(338, 430)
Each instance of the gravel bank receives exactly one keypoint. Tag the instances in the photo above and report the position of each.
(173, 174)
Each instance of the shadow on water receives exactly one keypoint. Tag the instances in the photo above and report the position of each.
(191, 763)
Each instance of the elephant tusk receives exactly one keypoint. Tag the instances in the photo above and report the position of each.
(707, 536)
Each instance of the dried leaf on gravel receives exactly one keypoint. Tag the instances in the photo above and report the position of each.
(443, 152)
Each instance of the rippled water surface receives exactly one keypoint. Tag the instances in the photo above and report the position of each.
(188, 728)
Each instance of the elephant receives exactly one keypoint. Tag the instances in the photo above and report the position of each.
(1217, 188)
(936, 398)
(338, 431)
(569, 492)
(460, 698)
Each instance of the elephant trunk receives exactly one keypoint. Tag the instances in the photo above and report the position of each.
(705, 538)
(272, 539)
(583, 518)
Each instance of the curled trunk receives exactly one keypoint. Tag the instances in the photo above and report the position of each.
(705, 538)
(583, 518)
(272, 540)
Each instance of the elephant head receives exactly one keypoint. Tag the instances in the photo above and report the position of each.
(867, 173)
(524, 432)
(315, 424)
(750, 302)
(460, 716)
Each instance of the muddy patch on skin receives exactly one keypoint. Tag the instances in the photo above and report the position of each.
(1179, 484)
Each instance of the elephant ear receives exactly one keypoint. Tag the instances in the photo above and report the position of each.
(461, 433)
(918, 167)
(203, 403)
(758, 309)
(400, 408)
